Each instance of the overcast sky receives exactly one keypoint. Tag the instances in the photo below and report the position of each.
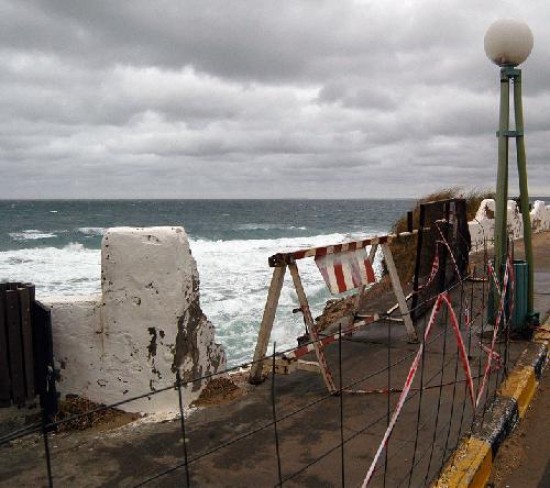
(259, 99)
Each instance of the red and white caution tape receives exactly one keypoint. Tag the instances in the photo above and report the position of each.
(443, 298)
(307, 348)
(446, 244)
(500, 314)
(491, 355)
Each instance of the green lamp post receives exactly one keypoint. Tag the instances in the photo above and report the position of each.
(508, 43)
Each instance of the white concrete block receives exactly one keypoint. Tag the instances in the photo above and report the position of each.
(146, 324)
(482, 228)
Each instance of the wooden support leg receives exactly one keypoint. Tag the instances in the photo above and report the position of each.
(310, 324)
(372, 252)
(267, 324)
(359, 298)
(398, 290)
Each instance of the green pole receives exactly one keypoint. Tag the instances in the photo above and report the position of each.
(501, 204)
(523, 191)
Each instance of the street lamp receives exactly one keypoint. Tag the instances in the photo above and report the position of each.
(508, 43)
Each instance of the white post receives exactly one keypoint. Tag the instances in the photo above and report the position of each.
(267, 324)
(398, 290)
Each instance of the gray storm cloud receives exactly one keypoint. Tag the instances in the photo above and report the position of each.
(259, 99)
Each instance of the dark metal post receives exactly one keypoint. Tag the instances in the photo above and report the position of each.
(182, 426)
(501, 204)
(410, 223)
(523, 190)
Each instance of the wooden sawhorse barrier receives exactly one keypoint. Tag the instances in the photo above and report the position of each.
(280, 262)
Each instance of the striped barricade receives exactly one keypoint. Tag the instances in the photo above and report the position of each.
(344, 267)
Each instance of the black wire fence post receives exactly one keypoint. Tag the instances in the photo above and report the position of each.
(388, 403)
(182, 424)
(419, 412)
(511, 314)
(468, 321)
(436, 426)
(457, 364)
(47, 448)
(486, 302)
(342, 452)
(274, 410)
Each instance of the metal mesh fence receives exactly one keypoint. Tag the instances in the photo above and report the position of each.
(443, 233)
(289, 431)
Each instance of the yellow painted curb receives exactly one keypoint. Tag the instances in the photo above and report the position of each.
(472, 462)
(542, 334)
(521, 385)
(470, 466)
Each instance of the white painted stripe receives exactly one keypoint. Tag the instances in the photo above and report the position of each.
(333, 283)
(362, 267)
(347, 272)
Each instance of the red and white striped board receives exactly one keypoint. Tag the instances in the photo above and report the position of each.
(307, 348)
(345, 271)
(282, 259)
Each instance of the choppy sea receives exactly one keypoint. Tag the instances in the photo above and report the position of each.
(55, 244)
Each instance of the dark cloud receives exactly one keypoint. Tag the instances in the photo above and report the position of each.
(258, 99)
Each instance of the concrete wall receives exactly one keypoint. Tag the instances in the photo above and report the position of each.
(146, 324)
(483, 226)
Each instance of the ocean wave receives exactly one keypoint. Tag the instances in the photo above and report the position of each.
(31, 235)
(75, 247)
(70, 270)
(92, 231)
(295, 241)
(267, 227)
(235, 277)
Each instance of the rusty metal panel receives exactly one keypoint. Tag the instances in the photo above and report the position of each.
(439, 221)
(5, 381)
(27, 342)
(13, 318)
(44, 365)
(26, 349)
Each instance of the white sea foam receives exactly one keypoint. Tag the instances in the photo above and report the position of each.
(31, 235)
(234, 278)
(71, 270)
(254, 226)
(92, 231)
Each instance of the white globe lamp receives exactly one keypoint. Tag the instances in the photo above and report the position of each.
(508, 42)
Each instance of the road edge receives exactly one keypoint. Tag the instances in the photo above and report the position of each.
(472, 462)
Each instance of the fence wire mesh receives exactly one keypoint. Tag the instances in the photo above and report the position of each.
(289, 431)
